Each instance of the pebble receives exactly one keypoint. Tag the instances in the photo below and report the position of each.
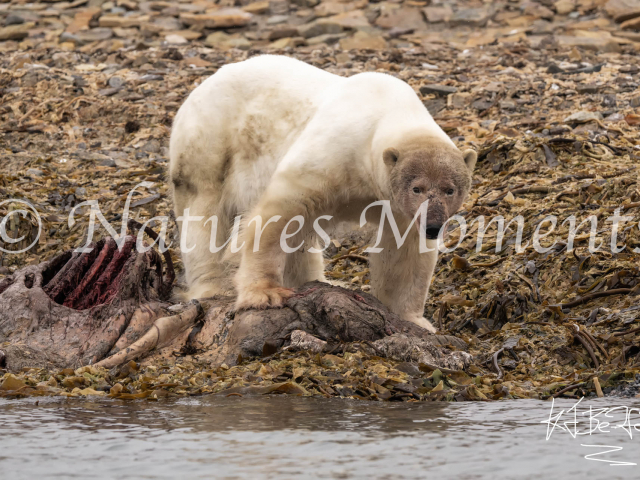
(13, 19)
(108, 162)
(277, 19)
(609, 100)
(78, 81)
(151, 78)
(328, 38)
(320, 27)
(475, 17)
(116, 82)
(437, 89)
(587, 88)
(107, 92)
(176, 39)
(283, 33)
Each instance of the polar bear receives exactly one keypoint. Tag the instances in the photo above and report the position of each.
(289, 146)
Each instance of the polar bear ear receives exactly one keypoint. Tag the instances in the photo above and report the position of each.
(470, 158)
(390, 156)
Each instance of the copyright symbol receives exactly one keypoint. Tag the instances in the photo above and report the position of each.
(25, 214)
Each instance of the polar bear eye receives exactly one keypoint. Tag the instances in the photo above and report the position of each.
(416, 190)
(450, 192)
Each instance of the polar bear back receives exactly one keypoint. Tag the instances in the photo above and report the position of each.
(266, 113)
(266, 99)
(239, 123)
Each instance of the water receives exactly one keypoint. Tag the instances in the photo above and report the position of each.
(290, 437)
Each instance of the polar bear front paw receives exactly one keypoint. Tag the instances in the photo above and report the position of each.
(262, 295)
(423, 322)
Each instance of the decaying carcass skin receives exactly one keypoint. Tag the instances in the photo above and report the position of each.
(318, 317)
(110, 306)
(79, 308)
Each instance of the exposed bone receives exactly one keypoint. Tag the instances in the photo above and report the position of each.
(163, 331)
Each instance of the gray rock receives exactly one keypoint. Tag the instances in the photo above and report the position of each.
(78, 81)
(437, 89)
(475, 17)
(108, 162)
(398, 32)
(68, 37)
(610, 100)
(116, 82)
(435, 105)
(584, 89)
(35, 172)
(635, 101)
(152, 146)
(328, 38)
(319, 27)
(13, 19)
(283, 32)
(482, 104)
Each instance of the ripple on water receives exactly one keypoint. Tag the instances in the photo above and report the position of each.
(283, 437)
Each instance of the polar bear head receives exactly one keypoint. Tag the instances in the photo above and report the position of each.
(430, 169)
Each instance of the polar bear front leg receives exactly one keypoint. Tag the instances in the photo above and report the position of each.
(400, 277)
(260, 278)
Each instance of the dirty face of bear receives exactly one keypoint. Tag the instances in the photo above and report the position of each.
(436, 172)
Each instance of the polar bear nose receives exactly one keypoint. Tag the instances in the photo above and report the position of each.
(433, 230)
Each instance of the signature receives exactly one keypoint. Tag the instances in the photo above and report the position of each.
(580, 420)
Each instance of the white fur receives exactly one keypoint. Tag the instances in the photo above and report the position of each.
(275, 136)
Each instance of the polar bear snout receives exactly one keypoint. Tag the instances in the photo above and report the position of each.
(433, 230)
